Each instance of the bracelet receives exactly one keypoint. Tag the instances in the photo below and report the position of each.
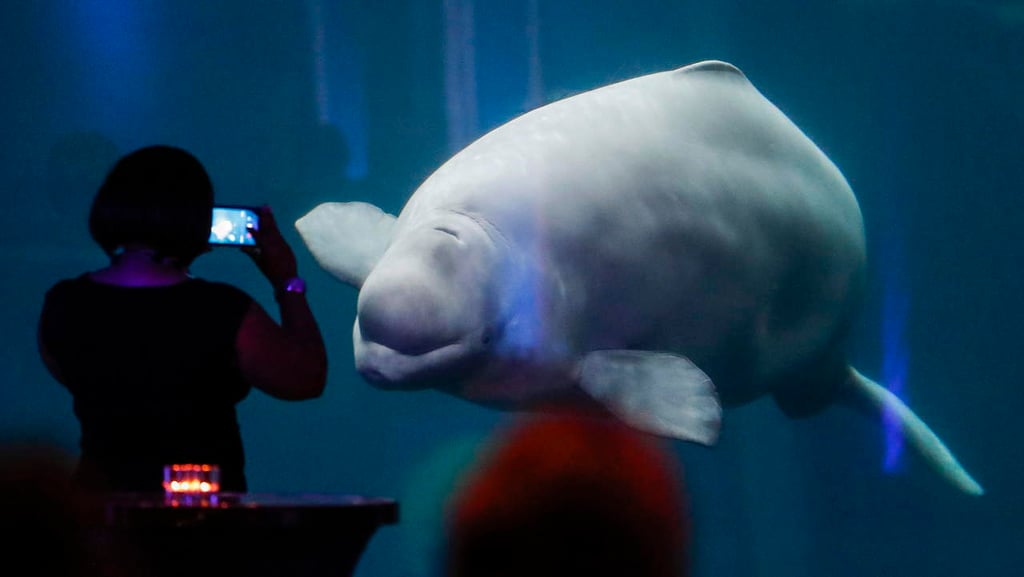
(293, 285)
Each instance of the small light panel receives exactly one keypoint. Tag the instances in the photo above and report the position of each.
(191, 484)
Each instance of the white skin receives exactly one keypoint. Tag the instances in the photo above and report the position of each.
(285, 360)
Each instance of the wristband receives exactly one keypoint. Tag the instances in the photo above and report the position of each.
(293, 285)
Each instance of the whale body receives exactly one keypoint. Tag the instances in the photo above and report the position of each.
(663, 246)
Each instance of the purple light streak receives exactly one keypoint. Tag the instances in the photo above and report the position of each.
(535, 76)
(460, 73)
(894, 366)
(339, 82)
(319, 59)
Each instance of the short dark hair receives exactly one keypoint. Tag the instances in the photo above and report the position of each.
(158, 196)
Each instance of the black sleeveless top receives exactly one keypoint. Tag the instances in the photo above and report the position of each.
(153, 375)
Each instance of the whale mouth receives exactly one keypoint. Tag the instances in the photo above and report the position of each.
(388, 368)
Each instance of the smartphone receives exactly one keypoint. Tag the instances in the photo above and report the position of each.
(233, 225)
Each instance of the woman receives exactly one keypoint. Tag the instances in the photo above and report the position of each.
(156, 359)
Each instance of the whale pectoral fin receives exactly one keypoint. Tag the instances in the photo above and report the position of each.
(661, 393)
(346, 238)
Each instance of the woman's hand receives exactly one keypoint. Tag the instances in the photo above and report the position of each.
(272, 254)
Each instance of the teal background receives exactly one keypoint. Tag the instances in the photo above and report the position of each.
(296, 103)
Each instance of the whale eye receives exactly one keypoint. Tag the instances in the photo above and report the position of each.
(490, 335)
(447, 231)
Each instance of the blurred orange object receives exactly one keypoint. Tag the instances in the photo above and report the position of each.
(571, 495)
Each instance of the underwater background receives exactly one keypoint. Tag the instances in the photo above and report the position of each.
(293, 103)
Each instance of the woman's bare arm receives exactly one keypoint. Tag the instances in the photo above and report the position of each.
(286, 360)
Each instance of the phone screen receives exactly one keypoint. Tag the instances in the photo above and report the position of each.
(232, 225)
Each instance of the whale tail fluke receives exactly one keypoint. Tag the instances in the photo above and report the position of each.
(882, 402)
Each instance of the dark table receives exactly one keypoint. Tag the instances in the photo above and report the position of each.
(244, 535)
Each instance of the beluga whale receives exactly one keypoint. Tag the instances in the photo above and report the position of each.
(660, 247)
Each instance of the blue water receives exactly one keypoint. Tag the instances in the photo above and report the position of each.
(918, 102)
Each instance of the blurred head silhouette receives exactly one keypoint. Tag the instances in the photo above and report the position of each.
(45, 518)
(567, 496)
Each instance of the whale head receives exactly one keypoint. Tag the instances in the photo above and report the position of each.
(428, 311)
